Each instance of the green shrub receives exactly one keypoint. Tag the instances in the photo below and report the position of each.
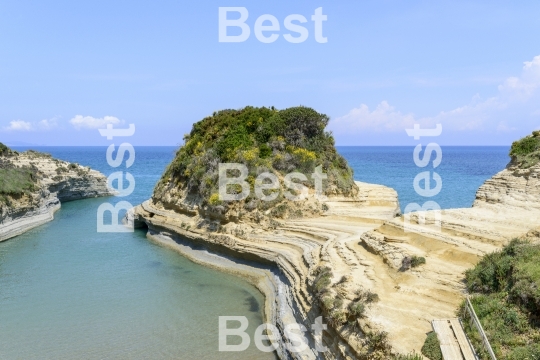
(357, 309)
(528, 352)
(279, 211)
(505, 324)
(526, 151)
(506, 299)
(431, 348)
(378, 340)
(15, 181)
(323, 279)
(4, 199)
(264, 139)
(524, 146)
(410, 262)
(336, 318)
(515, 269)
(214, 199)
(417, 261)
(411, 356)
(368, 296)
(265, 151)
(328, 303)
(4, 150)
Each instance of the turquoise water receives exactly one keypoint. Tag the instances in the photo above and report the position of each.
(68, 292)
(463, 169)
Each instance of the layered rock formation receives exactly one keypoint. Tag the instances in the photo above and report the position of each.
(281, 258)
(52, 182)
(364, 244)
(283, 245)
(351, 258)
(506, 206)
(514, 187)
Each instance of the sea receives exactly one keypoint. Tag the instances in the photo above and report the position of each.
(69, 292)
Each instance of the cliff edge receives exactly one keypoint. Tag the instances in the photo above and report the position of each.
(33, 185)
(378, 278)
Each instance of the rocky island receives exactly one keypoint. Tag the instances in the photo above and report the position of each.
(33, 185)
(347, 257)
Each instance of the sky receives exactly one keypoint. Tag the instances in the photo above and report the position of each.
(68, 68)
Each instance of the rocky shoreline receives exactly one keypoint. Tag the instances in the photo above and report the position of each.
(278, 260)
(57, 181)
(364, 242)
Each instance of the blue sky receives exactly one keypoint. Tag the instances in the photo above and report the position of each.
(68, 67)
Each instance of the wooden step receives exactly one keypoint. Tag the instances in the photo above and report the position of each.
(449, 345)
(454, 343)
(462, 340)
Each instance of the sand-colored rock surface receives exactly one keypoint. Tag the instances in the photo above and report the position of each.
(27, 211)
(364, 243)
(506, 206)
(296, 247)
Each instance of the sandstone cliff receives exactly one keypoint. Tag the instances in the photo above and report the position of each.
(377, 278)
(281, 258)
(506, 206)
(364, 245)
(35, 185)
(514, 187)
(301, 253)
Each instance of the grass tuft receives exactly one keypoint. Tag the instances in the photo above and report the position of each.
(431, 348)
(506, 298)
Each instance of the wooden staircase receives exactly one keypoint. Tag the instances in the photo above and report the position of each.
(454, 343)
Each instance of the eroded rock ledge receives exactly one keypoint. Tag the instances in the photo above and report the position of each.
(56, 181)
(364, 243)
(280, 258)
(506, 206)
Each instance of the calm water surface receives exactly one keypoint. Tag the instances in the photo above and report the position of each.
(67, 292)
(463, 169)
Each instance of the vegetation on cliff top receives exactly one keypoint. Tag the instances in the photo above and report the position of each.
(4, 150)
(263, 139)
(348, 315)
(14, 181)
(506, 288)
(526, 151)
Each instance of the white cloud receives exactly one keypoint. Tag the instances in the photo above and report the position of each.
(89, 122)
(523, 87)
(19, 125)
(515, 102)
(47, 124)
(383, 118)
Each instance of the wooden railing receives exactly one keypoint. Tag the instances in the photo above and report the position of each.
(474, 320)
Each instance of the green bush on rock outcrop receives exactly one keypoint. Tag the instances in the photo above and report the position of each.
(14, 181)
(526, 151)
(4, 150)
(265, 140)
